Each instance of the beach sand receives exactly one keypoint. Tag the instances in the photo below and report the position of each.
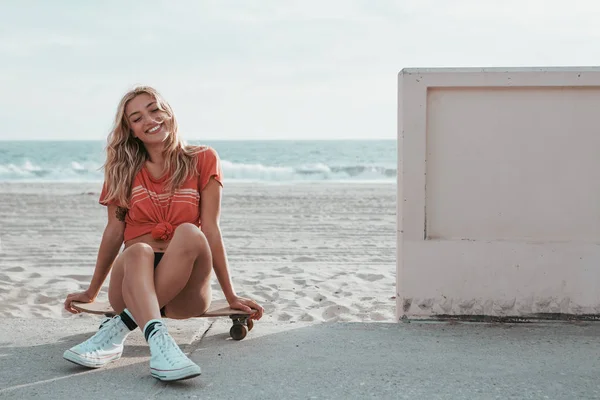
(310, 252)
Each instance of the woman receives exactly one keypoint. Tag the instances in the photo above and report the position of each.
(164, 200)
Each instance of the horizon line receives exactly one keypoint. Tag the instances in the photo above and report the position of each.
(206, 140)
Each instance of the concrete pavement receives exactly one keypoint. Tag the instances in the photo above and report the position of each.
(416, 360)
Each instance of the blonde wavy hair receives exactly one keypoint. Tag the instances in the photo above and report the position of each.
(126, 154)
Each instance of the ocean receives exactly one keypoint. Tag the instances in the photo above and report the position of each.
(246, 161)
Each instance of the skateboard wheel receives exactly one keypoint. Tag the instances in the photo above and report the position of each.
(250, 324)
(238, 332)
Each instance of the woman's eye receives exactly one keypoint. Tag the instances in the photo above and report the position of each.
(155, 110)
(137, 120)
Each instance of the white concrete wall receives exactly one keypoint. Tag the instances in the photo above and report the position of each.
(498, 192)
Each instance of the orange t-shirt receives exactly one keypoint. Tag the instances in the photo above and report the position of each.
(159, 213)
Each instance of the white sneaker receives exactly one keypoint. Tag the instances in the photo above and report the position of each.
(105, 346)
(167, 361)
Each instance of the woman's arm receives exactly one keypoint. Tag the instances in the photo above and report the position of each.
(210, 213)
(112, 239)
(111, 243)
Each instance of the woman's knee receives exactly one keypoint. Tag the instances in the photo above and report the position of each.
(138, 255)
(187, 229)
(191, 238)
(137, 250)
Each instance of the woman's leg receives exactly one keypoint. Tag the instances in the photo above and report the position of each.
(145, 290)
(188, 298)
(180, 283)
(137, 286)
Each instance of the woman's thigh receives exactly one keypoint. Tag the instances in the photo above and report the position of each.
(190, 246)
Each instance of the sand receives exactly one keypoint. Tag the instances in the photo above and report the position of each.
(310, 252)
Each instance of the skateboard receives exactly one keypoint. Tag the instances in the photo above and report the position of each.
(242, 324)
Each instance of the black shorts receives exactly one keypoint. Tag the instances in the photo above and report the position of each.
(157, 258)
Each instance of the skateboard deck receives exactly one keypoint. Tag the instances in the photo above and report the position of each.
(219, 308)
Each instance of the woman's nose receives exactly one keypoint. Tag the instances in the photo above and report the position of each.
(151, 120)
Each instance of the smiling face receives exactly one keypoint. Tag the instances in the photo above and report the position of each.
(147, 121)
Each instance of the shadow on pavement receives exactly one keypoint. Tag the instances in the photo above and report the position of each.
(334, 361)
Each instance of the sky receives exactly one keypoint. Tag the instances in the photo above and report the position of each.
(263, 69)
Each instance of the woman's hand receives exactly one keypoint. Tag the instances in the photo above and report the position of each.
(241, 303)
(82, 297)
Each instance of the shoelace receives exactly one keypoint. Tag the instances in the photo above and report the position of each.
(105, 320)
(107, 331)
(168, 348)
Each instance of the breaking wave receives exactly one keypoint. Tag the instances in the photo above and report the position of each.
(89, 171)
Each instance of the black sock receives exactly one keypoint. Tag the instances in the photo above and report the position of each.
(128, 321)
(149, 329)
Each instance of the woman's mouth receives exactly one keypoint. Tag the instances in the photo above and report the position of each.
(154, 129)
